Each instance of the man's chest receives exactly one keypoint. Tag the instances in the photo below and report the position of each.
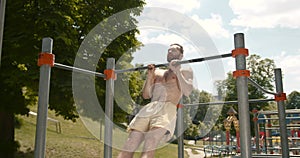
(165, 77)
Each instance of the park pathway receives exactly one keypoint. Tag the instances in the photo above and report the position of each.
(192, 155)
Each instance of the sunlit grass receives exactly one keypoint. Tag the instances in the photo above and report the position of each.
(75, 140)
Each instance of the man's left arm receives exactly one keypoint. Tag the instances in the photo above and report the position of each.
(185, 78)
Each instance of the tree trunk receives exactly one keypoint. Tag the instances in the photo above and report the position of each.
(7, 135)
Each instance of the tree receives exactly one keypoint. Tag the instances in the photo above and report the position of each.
(194, 115)
(203, 97)
(262, 72)
(67, 22)
(293, 100)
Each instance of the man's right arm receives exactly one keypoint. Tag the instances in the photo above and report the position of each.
(148, 86)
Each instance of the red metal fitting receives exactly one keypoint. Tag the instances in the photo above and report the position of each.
(179, 106)
(239, 73)
(46, 58)
(280, 97)
(239, 51)
(110, 74)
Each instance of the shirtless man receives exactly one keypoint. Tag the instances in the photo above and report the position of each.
(156, 121)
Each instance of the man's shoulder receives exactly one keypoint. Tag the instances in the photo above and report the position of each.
(186, 70)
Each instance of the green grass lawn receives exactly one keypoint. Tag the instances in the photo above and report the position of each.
(75, 141)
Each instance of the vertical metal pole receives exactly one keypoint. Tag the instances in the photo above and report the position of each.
(101, 124)
(2, 17)
(256, 128)
(180, 130)
(109, 104)
(265, 146)
(281, 115)
(268, 133)
(243, 104)
(44, 86)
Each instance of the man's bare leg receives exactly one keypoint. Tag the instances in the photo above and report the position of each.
(152, 139)
(134, 140)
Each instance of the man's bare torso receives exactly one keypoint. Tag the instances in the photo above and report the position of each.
(166, 87)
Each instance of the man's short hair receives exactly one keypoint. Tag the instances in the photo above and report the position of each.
(180, 47)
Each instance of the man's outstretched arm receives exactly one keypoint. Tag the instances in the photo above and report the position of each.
(148, 86)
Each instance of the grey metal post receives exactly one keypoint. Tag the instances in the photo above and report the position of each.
(180, 130)
(243, 104)
(281, 115)
(44, 86)
(101, 124)
(109, 104)
(2, 17)
(268, 133)
(256, 128)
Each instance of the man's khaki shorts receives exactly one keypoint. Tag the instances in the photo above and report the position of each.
(155, 114)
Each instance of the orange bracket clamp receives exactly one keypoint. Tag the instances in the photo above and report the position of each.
(179, 106)
(239, 51)
(46, 58)
(280, 97)
(110, 74)
(255, 119)
(239, 73)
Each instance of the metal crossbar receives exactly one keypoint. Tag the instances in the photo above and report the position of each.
(230, 102)
(70, 68)
(179, 62)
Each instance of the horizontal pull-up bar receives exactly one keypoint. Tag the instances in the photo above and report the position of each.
(179, 62)
(230, 102)
(70, 68)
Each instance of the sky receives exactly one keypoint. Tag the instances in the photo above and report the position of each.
(271, 29)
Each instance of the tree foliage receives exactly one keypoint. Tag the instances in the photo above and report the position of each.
(68, 23)
(293, 100)
(194, 115)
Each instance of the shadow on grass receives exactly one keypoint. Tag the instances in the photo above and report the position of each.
(27, 154)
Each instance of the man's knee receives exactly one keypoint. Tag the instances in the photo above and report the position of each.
(131, 145)
(155, 135)
(125, 154)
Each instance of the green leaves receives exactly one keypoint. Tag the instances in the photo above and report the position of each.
(68, 22)
(293, 100)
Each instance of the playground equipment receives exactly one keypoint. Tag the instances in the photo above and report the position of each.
(271, 142)
(46, 61)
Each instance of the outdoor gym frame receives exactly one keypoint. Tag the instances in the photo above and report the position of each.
(46, 61)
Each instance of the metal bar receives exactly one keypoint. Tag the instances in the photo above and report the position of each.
(287, 111)
(229, 102)
(2, 17)
(276, 118)
(243, 104)
(273, 128)
(268, 132)
(281, 115)
(289, 125)
(259, 87)
(44, 87)
(179, 62)
(256, 130)
(180, 130)
(271, 155)
(75, 69)
(265, 141)
(109, 104)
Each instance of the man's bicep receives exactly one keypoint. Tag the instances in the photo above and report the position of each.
(188, 74)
